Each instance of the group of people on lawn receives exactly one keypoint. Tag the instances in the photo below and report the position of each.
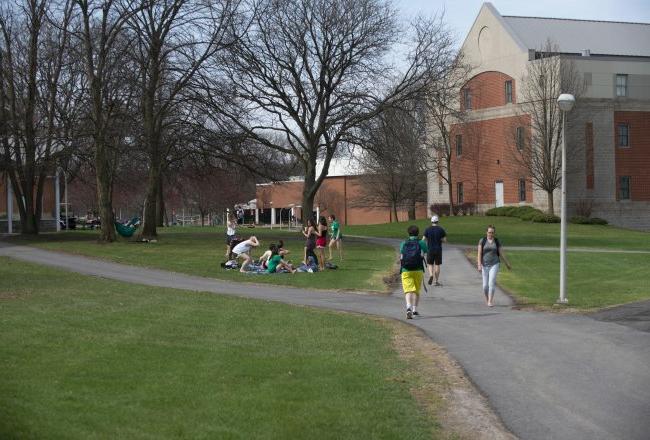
(272, 261)
(414, 252)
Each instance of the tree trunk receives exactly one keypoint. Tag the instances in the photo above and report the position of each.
(412, 211)
(395, 212)
(104, 194)
(551, 206)
(160, 205)
(150, 212)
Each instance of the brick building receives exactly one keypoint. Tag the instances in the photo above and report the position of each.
(608, 132)
(340, 194)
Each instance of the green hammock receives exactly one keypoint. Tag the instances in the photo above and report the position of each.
(123, 230)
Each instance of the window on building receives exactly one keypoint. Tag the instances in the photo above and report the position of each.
(441, 185)
(624, 188)
(508, 92)
(623, 135)
(459, 145)
(459, 193)
(467, 99)
(522, 190)
(621, 85)
(520, 138)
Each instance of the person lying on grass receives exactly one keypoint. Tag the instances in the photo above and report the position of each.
(243, 250)
(276, 263)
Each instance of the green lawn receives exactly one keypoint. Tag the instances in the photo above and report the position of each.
(594, 279)
(515, 232)
(83, 357)
(199, 251)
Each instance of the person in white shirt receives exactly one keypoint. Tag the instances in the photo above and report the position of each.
(243, 250)
(231, 231)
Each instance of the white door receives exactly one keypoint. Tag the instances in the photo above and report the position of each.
(498, 192)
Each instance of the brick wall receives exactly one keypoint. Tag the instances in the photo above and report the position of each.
(488, 156)
(488, 90)
(634, 161)
(340, 195)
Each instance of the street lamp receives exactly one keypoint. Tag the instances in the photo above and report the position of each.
(566, 102)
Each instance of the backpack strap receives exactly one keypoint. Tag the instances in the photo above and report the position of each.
(496, 241)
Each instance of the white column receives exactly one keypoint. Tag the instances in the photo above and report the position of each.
(257, 216)
(272, 217)
(57, 201)
(10, 206)
(317, 213)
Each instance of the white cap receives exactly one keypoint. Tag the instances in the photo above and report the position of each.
(434, 219)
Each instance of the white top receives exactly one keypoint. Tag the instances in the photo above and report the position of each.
(243, 248)
(231, 229)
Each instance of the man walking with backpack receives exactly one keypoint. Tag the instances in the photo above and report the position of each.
(412, 269)
(434, 235)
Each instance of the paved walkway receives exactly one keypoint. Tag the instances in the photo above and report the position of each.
(548, 376)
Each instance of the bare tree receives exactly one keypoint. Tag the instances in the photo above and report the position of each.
(33, 47)
(104, 49)
(174, 39)
(395, 161)
(444, 111)
(538, 141)
(308, 73)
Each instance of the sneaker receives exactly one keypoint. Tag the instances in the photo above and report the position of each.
(416, 313)
(409, 314)
(438, 284)
(430, 280)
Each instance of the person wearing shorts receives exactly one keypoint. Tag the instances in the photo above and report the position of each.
(243, 249)
(412, 253)
(336, 238)
(434, 235)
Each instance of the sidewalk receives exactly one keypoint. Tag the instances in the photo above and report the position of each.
(548, 376)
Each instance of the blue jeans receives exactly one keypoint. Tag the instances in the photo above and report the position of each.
(490, 278)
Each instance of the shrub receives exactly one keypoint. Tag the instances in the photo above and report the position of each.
(528, 216)
(545, 218)
(582, 220)
(584, 208)
(439, 208)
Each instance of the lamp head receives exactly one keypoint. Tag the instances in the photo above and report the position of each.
(566, 102)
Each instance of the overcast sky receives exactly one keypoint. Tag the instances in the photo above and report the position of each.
(460, 14)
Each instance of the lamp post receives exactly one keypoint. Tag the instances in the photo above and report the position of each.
(565, 102)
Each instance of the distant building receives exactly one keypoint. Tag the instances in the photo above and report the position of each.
(9, 214)
(341, 194)
(609, 128)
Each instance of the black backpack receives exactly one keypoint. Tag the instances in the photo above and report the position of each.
(496, 241)
(412, 255)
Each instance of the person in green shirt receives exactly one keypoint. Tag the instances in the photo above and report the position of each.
(276, 262)
(411, 254)
(336, 237)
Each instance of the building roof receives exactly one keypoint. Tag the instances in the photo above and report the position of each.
(574, 36)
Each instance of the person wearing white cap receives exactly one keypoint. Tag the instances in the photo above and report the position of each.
(434, 235)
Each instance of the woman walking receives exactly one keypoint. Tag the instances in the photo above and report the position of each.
(489, 255)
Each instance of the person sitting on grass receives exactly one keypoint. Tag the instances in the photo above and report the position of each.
(276, 263)
(243, 249)
(411, 254)
(264, 259)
